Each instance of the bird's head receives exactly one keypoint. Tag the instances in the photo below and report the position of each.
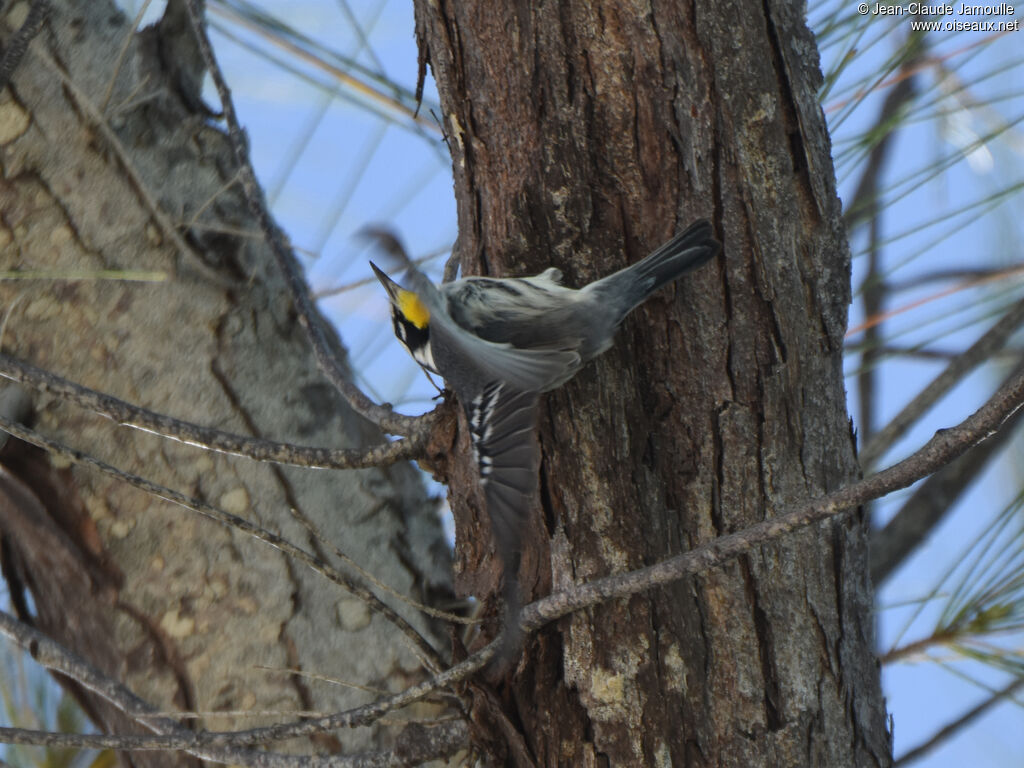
(410, 317)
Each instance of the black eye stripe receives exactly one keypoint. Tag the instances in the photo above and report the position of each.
(412, 337)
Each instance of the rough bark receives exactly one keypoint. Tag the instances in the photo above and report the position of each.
(181, 609)
(584, 133)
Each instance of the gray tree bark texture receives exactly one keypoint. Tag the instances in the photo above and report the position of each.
(106, 165)
(584, 133)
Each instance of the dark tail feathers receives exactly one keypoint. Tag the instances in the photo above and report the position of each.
(683, 253)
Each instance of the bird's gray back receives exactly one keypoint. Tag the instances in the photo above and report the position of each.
(529, 313)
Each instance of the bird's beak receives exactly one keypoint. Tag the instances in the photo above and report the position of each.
(389, 285)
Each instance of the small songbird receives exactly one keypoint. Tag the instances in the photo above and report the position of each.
(500, 342)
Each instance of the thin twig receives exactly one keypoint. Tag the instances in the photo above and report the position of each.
(129, 38)
(1009, 354)
(429, 742)
(426, 653)
(993, 277)
(436, 613)
(944, 447)
(943, 734)
(259, 449)
(865, 199)
(991, 342)
(55, 657)
(872, 298)
(918, 647)
(930, 503)
(288, 44)
(945, 275)
(382, 415)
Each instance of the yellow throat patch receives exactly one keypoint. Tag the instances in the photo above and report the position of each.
(414, 310)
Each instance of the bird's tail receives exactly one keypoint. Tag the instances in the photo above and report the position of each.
(685, 252)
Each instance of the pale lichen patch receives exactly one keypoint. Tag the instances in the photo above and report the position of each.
(675, 669)
(606, 686)
(662, 756)
(17, 15)
(119, 529)
(235, 501)
(14, 121)
(59, 462)
(176, 625)
(353, 614)
(61, 235)
(97, 507)
(43, 308)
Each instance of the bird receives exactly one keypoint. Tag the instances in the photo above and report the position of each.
(500, 343)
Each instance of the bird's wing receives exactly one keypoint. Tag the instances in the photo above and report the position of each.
(501, 423)
(525, 370)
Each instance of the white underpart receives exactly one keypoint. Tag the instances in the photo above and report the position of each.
(425, 357)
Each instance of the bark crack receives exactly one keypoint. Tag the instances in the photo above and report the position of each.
(794, 134)
(765, 650)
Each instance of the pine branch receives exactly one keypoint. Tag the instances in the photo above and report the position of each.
(948, 731)
(991, 342)
(944, 447)
(930, 503)
(426, 652)
(259, 449)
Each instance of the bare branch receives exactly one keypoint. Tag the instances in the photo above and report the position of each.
(865, 199)
(1010, 354)
(56, 658)
(416, 745)
(946, 445)
(259, 449)
(969, 276)
(991, 341)
(872, 298)
(327, 358)
(928, 506)
(427, 654)
(965, 719)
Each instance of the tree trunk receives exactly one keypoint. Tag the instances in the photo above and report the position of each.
(183, 610)
(584, 133)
